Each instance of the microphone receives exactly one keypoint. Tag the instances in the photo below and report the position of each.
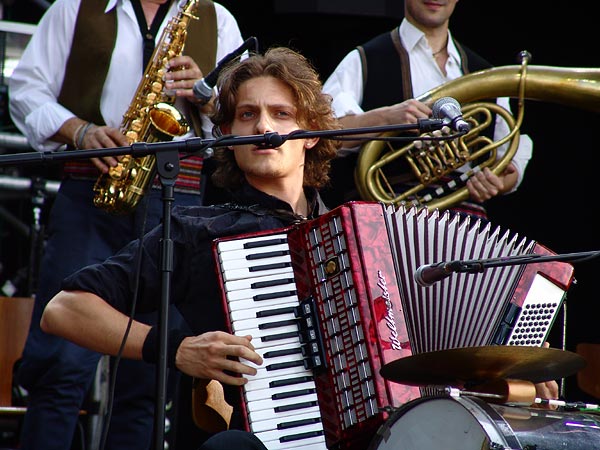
(428, 274)
(448, 109)
(203, 88)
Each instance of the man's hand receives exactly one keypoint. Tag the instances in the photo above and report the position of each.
(104, 137)
(547, 390)
(486, 184)
(211, 355)
(179, 80)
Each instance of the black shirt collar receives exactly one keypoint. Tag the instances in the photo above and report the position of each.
(249, 196)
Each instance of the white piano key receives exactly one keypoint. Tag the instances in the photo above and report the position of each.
(237, 269)
(263, 373)
(317, 442)
(273, 422)
(277, 293)
(268, 414)
(238, 244)
(256, 322)
(305, 446)
(247, 283)
(264, 394)
(254, 253)
(258, 334)
(245, 273)
(249, 311)
(269, 405)
(275, 435)
(265, 304)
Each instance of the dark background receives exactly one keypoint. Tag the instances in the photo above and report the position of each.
(556, 205)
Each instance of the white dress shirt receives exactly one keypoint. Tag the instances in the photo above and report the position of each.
(36, 81)
(345, 85)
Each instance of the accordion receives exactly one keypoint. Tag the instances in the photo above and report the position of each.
(330, 301)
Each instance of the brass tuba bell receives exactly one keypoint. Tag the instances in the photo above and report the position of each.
(377, 163)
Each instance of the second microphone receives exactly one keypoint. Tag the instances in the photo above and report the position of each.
(203, 88)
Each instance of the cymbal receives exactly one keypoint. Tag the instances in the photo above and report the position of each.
(460, 366)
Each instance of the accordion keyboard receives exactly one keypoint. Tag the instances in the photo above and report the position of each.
(281, 400)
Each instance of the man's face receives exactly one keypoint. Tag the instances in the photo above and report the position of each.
(264, 105)
(428, 14)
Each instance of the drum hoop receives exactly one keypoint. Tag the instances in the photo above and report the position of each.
(483, 412)
(493, 424)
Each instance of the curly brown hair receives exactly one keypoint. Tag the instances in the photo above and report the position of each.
(313, 106)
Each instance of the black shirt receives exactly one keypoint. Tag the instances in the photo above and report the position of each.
(194, 287)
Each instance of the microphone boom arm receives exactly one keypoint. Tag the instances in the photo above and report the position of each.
(195, 145)
(479, 265)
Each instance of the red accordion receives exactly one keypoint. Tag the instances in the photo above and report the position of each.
(330, 301)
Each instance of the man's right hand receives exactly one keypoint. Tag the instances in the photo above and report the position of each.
(104, 137)
(213, 354)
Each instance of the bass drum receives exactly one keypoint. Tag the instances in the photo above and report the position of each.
(469, 423)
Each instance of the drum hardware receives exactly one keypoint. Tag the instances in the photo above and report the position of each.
(469, 366)
(572, 406)
(503, 391)
(518, 392)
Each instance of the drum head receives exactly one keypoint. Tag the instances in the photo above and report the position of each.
(437, 423)
(467, 423)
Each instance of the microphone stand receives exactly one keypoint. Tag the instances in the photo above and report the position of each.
(479, 265)
(194, 145)
(167, 164)
(167, 158)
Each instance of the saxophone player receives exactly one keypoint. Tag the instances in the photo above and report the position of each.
(70, 90)
(430, 57)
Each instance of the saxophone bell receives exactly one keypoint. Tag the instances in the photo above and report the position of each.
(128, 181)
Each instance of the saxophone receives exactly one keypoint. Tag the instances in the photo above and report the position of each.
(151, 117)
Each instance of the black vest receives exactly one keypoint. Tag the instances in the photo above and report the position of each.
(384, 84)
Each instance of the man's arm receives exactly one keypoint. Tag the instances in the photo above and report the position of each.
(87, 320)
(407, 112)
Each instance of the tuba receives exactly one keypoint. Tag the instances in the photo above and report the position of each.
(432, 163)
(151, 117)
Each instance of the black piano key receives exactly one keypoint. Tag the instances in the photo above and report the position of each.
(284, 352)
(285, 365)
(269, 267)
(279, 324)
(275, 311)
(290, 381)
(298, 423)
(271, 283)
(273, 295)
(277, 337)
(292, 394)
(266, 255)
(265, 243)
(295, 406)
(299, 436)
